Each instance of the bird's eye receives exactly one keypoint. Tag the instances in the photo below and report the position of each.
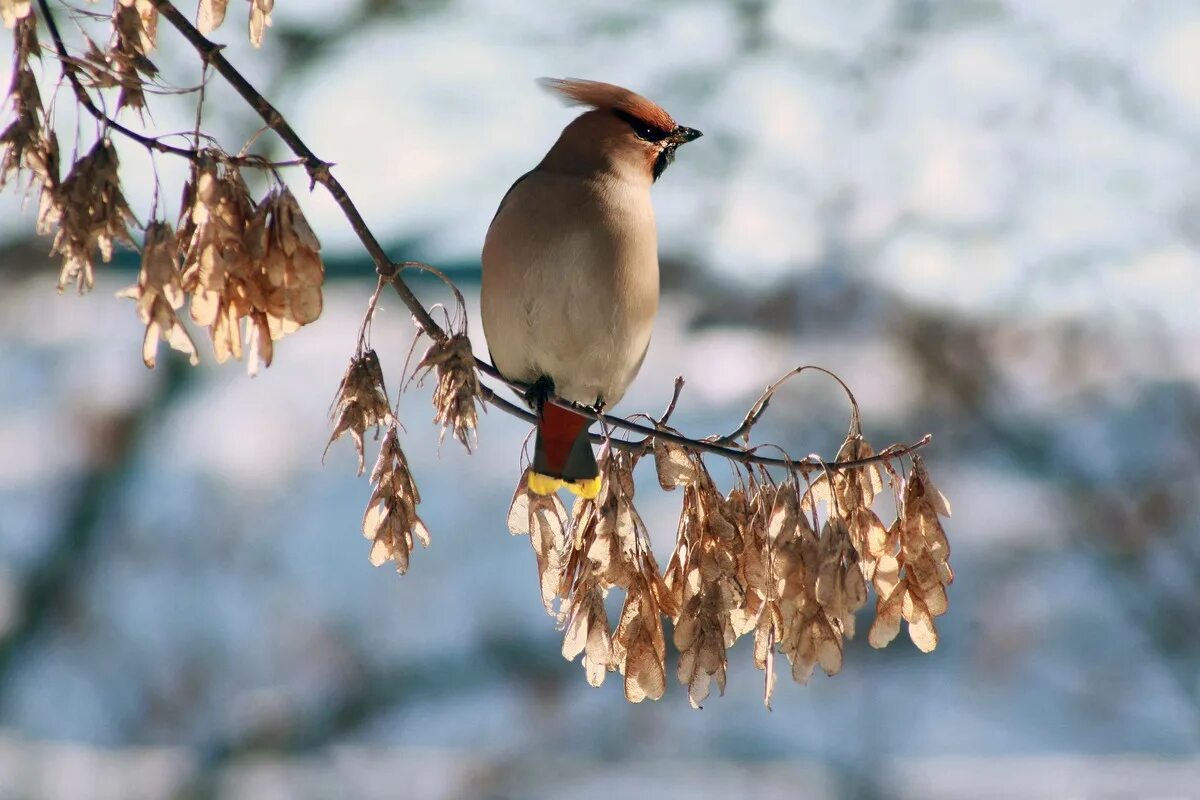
(642, 130)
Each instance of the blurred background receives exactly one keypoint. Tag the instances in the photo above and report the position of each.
(984, 214)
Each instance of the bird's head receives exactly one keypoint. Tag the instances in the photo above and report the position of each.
(624, 133)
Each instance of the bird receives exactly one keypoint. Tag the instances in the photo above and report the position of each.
(570, 271)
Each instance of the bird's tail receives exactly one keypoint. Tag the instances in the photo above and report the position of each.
(562, 455)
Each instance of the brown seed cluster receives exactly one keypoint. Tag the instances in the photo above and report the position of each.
(212, 14)
(253, 271)
(746, 562)
(91, 214)
(913, 565)
(148, 17)
(26, 144)
(87, 210)
(124, 64)
(604, 546)
(159, 295)
(260, 264)
(391, 521)
(360, 403)
(457, 389)
(703, 578)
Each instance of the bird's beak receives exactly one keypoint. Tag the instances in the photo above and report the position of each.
(682, 135)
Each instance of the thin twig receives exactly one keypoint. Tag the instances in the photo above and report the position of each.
(666, 415)
(71, 69)
(760, 405)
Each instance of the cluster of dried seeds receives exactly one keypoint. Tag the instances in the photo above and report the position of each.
(28, 143)
(260, 264)
(91, 214)
(913, 565)
(86, 210)
(704, 579)
(124, 64)
(159, 295)
(458, 390)
(253, 271)
(391, 521)
(604, 546)
(746, 562)
(361, 402)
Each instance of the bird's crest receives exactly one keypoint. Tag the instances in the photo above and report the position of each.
(606, 96)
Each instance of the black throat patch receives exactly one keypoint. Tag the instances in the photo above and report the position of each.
(664, 159)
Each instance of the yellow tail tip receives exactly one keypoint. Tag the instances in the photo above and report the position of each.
(587, 488)
(543, 484)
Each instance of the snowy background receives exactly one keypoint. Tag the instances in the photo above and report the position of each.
(985, 215)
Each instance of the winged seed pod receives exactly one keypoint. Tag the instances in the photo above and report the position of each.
(126, 60)
(361, 401)
(609, 547)
(93, 214)
(805, 632)
(287, 254)
(544, 519)
(26, 143)
(260, 20)
(391, 520)
(675, 466)
(12, 11)
(147, 21)
(211, 15)
(840, 587)
(922, 552)
(457, 386)
(760, 610)
(158, 295)
(217, 270)
(587, 631)
(258, 264)
(639, 647)
(702, 577)
(854, 490)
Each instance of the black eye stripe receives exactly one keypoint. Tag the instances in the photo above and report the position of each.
(640, 128)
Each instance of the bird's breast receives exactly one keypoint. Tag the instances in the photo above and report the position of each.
(570, 283)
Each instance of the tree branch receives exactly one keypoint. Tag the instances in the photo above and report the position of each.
(319, 172)
(318, 169)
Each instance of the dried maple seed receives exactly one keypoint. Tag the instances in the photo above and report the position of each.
(361, 402)
(391, 521)
(92, 215)
(457, 388)
(159, 295)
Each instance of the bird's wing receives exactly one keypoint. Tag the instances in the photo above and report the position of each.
(508, 194)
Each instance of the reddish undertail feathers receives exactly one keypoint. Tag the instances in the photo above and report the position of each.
(562, 456)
